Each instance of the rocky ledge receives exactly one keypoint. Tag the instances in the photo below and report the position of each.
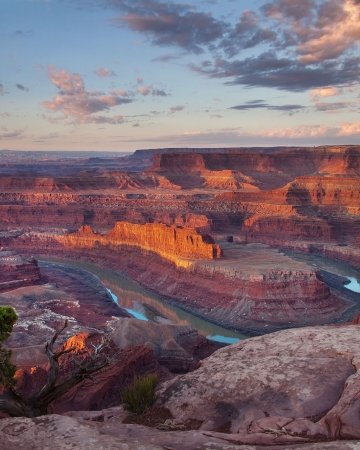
(292, 386)
(16, 271)
(295, 389)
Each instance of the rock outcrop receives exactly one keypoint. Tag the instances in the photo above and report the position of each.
(177, 347)
(110, 381)
(16, 271)
(103, 430)
(292, 386)
(42, 309)
(297, 389)
(168, 241)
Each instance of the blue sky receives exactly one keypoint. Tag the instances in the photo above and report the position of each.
(127, 74)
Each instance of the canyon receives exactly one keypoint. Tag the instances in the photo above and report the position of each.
(206, 230)
(220, 205)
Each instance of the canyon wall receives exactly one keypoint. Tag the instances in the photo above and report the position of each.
(170, 242)
(267, 170)
(253, 290)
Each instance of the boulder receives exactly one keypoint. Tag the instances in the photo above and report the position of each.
(291, 386)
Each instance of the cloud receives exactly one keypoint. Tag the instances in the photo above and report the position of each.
(23, 33)
(269, 70)
(177, 108)
(246, 34)
(22, 88)
(329, 91)
(77, 104)
(336, 29)
(122, 93)
(116, 120)
(151, 90)
(255, 104)
(2, 89)
(332, 107)
(296, 45)
(170, 24)
(168, 57)
(291, 9)
(103, 73)
(5, 114)
(17, 134)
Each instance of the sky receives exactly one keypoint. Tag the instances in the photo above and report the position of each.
(121, 75)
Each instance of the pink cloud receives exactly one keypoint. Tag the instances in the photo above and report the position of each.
(122, 93)
(331, 36)
(330, 91)
(177, 108)
(75, 103)
(16, 134)
(103, 73)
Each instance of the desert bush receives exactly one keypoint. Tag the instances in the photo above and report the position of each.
(140, 394)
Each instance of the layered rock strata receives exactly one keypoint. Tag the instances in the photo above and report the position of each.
(178, 348)
(248, 289)
(171, 242)
(88, 307)
(16, 271)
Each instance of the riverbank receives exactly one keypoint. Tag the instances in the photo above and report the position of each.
(131, 297)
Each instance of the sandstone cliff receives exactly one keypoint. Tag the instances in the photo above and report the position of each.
(253, 288)
(168, 241)
(267, 170)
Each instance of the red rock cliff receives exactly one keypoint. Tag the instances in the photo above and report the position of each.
(170, 242)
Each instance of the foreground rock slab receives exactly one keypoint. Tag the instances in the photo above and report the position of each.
(65, 433)
(291, 386)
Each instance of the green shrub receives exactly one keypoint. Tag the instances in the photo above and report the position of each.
(8, 318)
(140, 394)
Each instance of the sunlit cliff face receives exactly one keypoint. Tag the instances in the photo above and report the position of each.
(77, 342)
(171, 242)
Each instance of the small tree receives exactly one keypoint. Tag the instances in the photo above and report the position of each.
(15, 404)
(7, 370)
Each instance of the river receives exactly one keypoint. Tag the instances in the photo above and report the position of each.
(331, 265)
(146, 306)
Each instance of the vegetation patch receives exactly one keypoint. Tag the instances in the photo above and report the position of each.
(140, 394)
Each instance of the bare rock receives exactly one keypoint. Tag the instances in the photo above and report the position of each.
(16, 271)
(66, 433)
(59, 433)
(177, 347)
(275, 389)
